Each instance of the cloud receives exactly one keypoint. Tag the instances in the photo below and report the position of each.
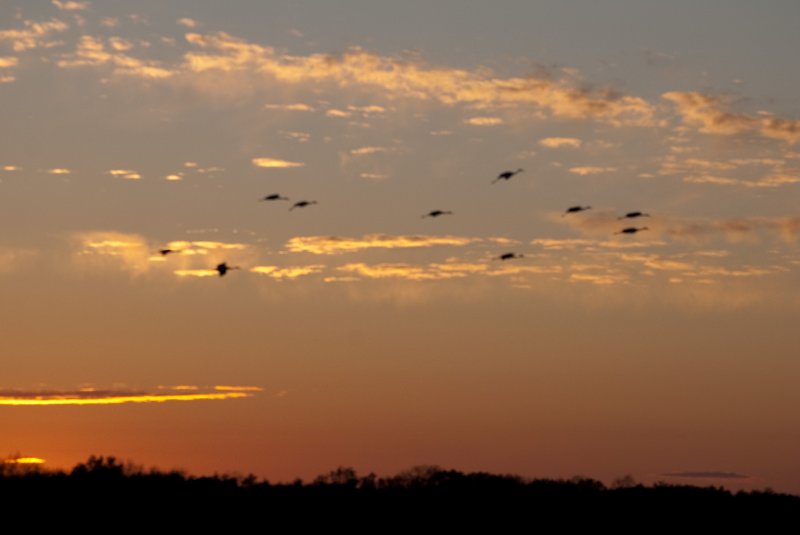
(128, 174)
(187, 22)
(601, 279)
(92, 396)
(196, 272)
(590, 170)
(361, 151)
(338, 113)
(59, 171)
(108, 248)
(706, 475)
(374, 176)
(441, 133)
(91, 51)
(708, 113)
(34, 35)
(8, 61)
(769, 181)
(400, 271)
(290, 272)
(23, 460)
(274, 163)
(484, 121)
(70, 5)
(10, 168)
(299, 106)
(337, 245)
(401, 77)
(560, 142)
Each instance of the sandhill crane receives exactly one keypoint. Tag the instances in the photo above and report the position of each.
(223, 268)
(165, 252)
(506, 175)
(575, 209)
(274, 197)
(437, 213)
(631, 230)
(301, 204)
(632, 215)
(508, 256)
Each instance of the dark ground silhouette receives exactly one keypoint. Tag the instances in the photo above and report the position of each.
(103, 490)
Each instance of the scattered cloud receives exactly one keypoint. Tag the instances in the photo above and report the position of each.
(187, 22)
(196, 272)
(374, 176)
(290, 272)
(59, 171)
(361, 151)
(8, 61)
(174, 177)
(128, 174)
(298, 106)
(23, 460)
(34, 34)
(484, 121)
(590, 170)
(338, 113)
(70, 5)
(274, 163)
(92, 52)
(92, 396)
(560, 142)
(441, 132)
(337, 245)
(708, 113)
(11, 168)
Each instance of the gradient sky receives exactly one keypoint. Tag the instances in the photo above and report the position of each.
(357, 332)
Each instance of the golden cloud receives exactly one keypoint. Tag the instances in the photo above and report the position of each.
(291, 272)
(125, 173)
(484, 121)
(91, 396)
(8, 61)
(196, 272)
(590, 170)
(92, 52)
(361, 151)
(400, 271)
(336, 245)
(33, 35)
(187, 22)
(59, 171)
(70, 5)
(413, 79)
(560, 142)
(289, 107)
(708, 114)
(97, 248)
(274, 163)
(24, 460)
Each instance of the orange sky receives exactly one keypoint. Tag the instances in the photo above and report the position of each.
(357, 331)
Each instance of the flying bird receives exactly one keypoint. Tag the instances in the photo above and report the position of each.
(437, 213)
(575, 209)
(223, 268)
(274, 197)
(505, 175)
(508, 256)
(301, 204)
(165, 252)
(632, 215)
(631, 230)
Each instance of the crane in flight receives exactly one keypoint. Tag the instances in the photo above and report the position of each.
(506, 175)
(631, 230)
(575, 209)
(437, 213)
(633, 215)
(223, 268)
(302, 204)
(274, 197)
(508, 256)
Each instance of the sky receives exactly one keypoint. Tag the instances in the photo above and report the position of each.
(358, 330)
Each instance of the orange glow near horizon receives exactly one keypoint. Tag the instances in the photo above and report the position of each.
(24, 460)
(86, 397)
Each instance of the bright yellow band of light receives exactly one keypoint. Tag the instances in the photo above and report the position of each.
(116, 400)
(24, 460)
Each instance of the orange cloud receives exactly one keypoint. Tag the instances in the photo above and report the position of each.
(34, 34)
(289, 107)
(8, 61)
(274, 163)
(59, 171)
(91, 51)
(590, 170)
(291, 272)
(91, 396)
(336, 245)
(24, 460)
(414, 79)
(70, 5)
(560, 142)
(367, 150)
(484, 121)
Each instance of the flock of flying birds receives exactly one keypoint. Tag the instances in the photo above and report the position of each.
(223, 268)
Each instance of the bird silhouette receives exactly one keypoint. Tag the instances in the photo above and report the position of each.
(632, 215)
(631, 230)
(437, 213)
(165, 252)
(223, 268)
(506, 175)
(575, 209)
(301, 204)
(274, 197)
(508, 256)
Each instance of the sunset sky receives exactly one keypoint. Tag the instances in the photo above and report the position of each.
(357, 332)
